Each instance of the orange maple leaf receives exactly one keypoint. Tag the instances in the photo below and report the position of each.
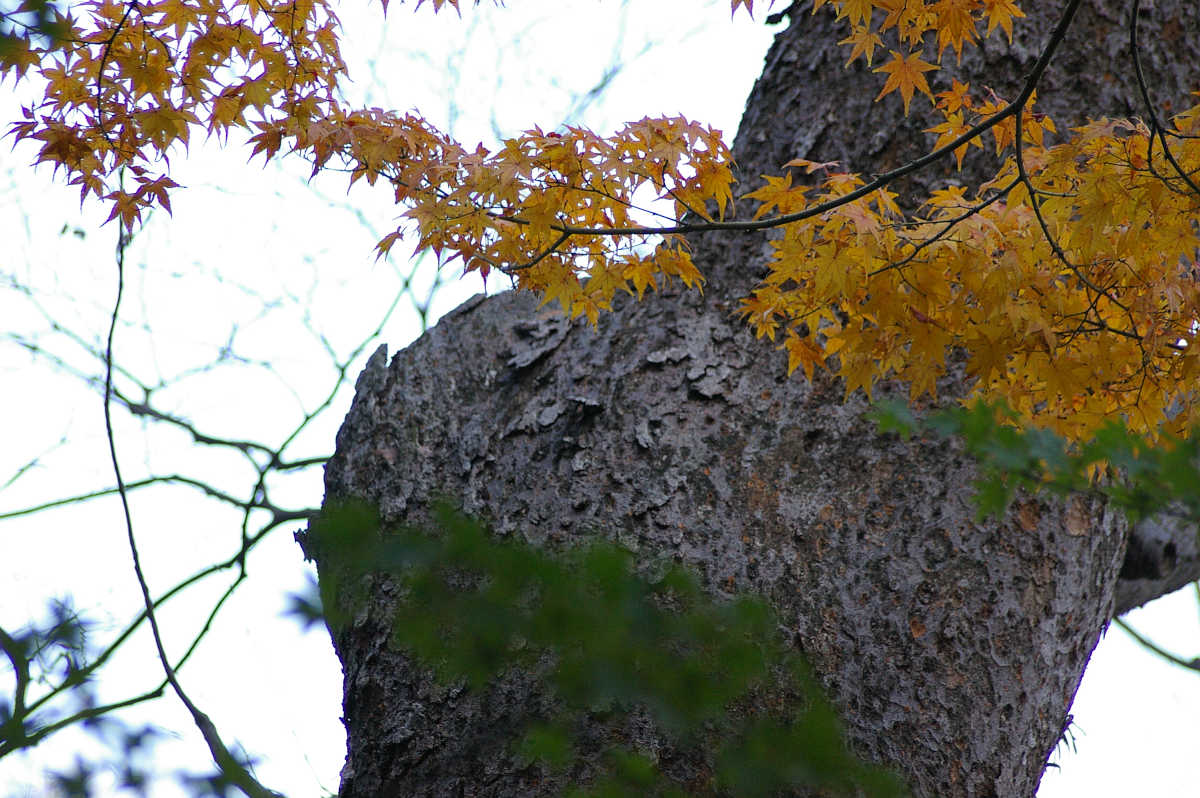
(957, 98)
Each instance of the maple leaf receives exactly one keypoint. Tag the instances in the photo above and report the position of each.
(127, 207)
(16, 56)
(955, 24)
(865, 41)
(748, 4)
(956, 98)
(810, 166)
(858, 372)
(951, 129)
(640, 272)
(988, 356)
(1001, 13)
(778, 193)
(803, 353)
(762, 311)
(857, 12)
(906, 75)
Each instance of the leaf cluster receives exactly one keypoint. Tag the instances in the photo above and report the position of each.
(52, 665)
(123, 83)
(1142, 476)
(604, 641)
(1077, 327)
(1069, 278)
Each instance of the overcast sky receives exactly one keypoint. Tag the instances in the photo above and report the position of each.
(233, 305)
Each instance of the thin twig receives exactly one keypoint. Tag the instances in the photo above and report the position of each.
(1192, 664)
(221, 755)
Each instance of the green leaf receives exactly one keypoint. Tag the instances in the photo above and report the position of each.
(894, 416)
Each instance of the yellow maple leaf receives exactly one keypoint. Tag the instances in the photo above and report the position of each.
(865, 41)
(777, 193)
(858, 12)
(803, 352)
(639, 271)
(948, 131)
(955, 25)
(906, 74)
(988, 356)
(810, 166)
(1001, 12)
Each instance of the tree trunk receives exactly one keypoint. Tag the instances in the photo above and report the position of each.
(952, 648)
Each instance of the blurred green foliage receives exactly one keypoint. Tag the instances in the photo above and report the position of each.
(605, 637)
(1140, 476)
(52, 664)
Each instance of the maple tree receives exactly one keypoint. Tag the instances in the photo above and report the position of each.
(1068, 277)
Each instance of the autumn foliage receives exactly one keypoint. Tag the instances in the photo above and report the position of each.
(1069, 278)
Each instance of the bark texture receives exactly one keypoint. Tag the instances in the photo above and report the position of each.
(952, 648)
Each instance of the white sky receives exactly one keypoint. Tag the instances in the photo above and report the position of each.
(261, 258)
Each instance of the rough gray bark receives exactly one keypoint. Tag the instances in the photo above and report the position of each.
(952, 648)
